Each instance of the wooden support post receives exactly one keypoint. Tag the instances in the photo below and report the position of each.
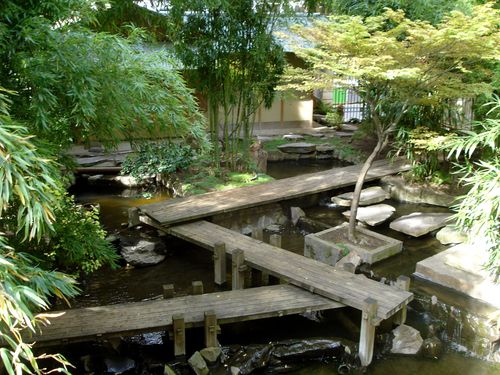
(275, 240)
(220, 263)
(168, 291)
(403, 283)
(133, 217)
(179, 330)
(258, 234)
(367, 336)
(350, 267)
(210, 329)
(239, 269)
(197, 287)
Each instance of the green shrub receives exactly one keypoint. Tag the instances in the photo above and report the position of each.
(162, 158)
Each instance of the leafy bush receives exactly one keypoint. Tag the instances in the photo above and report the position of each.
(478, 156)
(424, 148)
(79, 243)
(162, 158)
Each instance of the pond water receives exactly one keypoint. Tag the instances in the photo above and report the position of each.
(186, 263)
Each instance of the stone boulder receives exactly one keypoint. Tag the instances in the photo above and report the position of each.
(296, 213)
(293, 137)
(450, 235)
(198, 364)
(419, 223)
(369, 196)
(373, 215)
(298, 148)
(211, 354)
(142, 252)
(432, 348)
(407, 340)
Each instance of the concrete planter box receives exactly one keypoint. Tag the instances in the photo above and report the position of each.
(323, 247)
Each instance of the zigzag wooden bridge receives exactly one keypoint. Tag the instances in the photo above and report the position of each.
(314, 285)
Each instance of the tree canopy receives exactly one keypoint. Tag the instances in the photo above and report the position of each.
(395, 63)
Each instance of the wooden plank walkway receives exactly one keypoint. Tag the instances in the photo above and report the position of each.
(180, 210)
(317, 277)
(138, 317)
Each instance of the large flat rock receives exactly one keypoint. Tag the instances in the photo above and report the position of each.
(419, 223)
(373, 215)
(369, 196)
(298, 148)
(461, 268)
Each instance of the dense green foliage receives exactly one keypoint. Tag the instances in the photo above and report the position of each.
(76, 84)
(62, 82)
(478, 161)
(28, 182)
(398, 64)
(425, 10)
(164, 158)
(230, 56)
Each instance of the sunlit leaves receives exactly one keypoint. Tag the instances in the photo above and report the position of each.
(25, 288)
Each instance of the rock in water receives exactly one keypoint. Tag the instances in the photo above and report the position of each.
(198, 364)
(211, 354)
(117, 365)
(143, 252)
(369, 196)
(407, 340)
(296, 213)
(450, 235)
(304, 349)
(298, 148)
(432, 348)
(419, 223)
(373, 215)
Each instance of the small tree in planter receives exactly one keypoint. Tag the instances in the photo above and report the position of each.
(397, 63)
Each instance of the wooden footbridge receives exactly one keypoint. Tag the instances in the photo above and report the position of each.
(312, 285)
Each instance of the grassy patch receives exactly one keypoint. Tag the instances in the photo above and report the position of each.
(344, 150)
(203, 183)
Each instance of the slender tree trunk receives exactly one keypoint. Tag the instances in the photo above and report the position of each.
(382, 141)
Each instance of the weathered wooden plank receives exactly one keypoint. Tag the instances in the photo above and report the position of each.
(317, 277)
(229, 307)
(191, 208)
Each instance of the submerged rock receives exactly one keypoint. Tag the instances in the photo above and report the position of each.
(432, 348)
(118, 365)
(141, 252)
(307, 349)
(407, 340)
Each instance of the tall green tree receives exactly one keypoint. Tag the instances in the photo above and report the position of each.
(397, 64)
(76, 84)
(62, 82)
(230, 56)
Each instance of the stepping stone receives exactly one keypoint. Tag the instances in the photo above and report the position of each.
(369, 196)
(373, 215)
(325, 148)
(419, 223)
(293, 137)
(450, 235)
(298, 148)
(461, 267)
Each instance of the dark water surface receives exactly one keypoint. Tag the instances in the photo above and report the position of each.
(186, 263)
